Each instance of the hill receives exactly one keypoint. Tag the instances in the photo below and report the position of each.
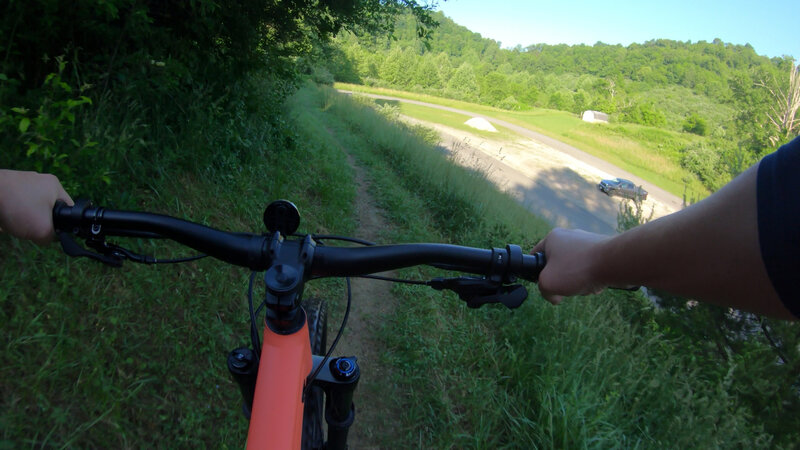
(714, 90)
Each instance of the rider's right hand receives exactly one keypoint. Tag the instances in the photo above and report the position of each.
(572, 257)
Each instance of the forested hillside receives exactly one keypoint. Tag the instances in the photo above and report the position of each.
(735, 99)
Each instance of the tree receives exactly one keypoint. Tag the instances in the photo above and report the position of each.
(115, 35)
(644, 114)
(445, 67)
(706, 163)
(494, 88)
(399, 67)
(561, 100)
(427, 74)
(695, 124)
(581, 101)
(464, 82)
(786, 101)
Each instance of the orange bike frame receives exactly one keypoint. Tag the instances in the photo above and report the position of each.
(276, 421)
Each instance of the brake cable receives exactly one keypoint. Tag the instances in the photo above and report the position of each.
(112, 254)
(313, 376)
(254, 339)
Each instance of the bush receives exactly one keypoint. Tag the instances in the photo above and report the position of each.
(510, 103)
(644, 114)
(705, 162)
(321, 75)
(631, 214)
(44, 135)
(695, 124)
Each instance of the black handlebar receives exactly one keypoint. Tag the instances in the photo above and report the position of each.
(504, 263)
(257, 251)
(86, 220)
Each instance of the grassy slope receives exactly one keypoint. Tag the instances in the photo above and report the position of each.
(106, 358)
(591, 373)
(650, 153)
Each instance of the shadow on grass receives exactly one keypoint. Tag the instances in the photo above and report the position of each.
(566, 199)
(559, 195)
(384, 102)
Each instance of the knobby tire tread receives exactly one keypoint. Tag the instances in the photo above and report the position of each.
(313, 413)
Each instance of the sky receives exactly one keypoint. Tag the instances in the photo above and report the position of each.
(770, 26)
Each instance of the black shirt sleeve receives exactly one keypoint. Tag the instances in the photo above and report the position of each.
(778, 193)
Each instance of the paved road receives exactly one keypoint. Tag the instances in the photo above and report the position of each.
(671, 201)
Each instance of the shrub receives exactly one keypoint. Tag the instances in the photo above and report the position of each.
(510, 103)
(644, 114)
(632, 214)
(44, 136)
(321, 75)
(695, 124)
(705, 162)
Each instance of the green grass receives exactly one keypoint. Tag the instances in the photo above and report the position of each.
(134, 357)
(448, 118)
(650, 153)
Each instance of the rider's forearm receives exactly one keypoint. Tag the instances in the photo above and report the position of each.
(709, 251)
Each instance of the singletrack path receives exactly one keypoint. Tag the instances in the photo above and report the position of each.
(372, 303)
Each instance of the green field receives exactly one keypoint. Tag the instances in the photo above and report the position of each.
(649, 153)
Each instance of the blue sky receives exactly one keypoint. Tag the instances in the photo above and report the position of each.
(770, 26)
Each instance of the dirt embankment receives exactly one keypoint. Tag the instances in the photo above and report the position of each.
(551, 183)
(551, 178)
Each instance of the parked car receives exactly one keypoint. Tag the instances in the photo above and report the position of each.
(623, 188)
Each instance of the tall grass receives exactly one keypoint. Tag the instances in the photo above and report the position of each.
(592, 373)
(466, 207)
(135, 357)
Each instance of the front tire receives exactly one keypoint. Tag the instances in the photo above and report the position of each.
(317, 317)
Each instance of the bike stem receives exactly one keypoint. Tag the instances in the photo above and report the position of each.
(285, 280)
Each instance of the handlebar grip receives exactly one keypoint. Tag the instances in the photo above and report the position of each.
(532, 266)
(66, 217)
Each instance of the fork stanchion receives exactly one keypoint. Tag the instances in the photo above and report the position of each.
(339, 407)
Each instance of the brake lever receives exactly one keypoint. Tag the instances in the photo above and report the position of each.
(74, 249)
(480, 291)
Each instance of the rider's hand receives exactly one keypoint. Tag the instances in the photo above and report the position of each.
(26, 204)
(571, 258)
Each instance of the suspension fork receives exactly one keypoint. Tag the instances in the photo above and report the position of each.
(339, 379)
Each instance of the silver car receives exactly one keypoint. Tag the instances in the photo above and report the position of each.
(623, 188)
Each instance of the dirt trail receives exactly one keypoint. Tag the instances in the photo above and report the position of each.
(372, 303)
